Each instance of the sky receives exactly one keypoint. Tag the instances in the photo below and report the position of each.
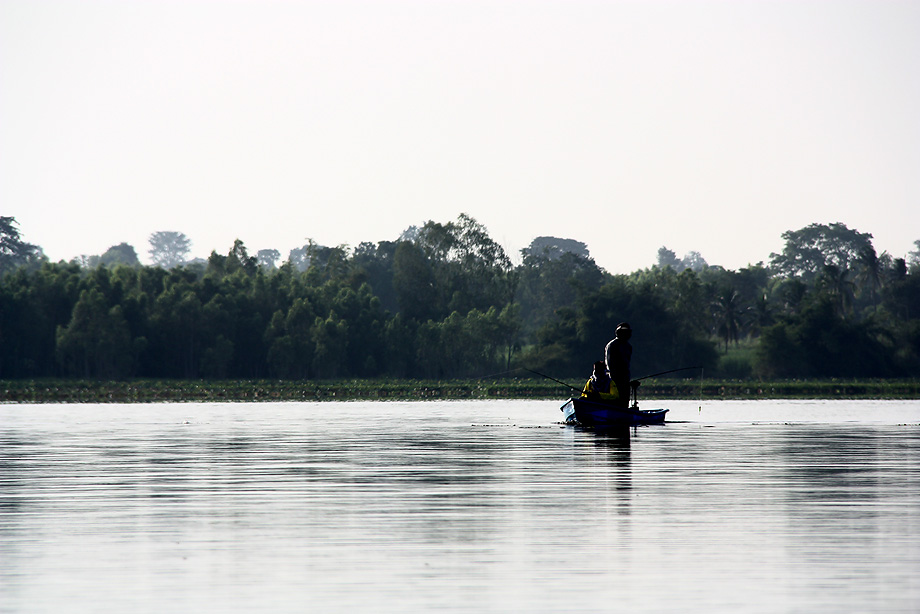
(706, 126)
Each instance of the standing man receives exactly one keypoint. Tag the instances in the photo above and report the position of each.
(617, 355)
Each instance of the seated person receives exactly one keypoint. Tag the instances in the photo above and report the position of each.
(600, 387)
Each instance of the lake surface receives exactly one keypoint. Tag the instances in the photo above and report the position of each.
(479, 506)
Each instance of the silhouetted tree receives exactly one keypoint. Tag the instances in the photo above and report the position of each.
(14, 251)
(870, 274)
(553, 248)
(96, 342)
(694, 261)
(267, 258)
(819, 343)
(728, 314)
(414, 283)
(809, 250)
(119, 254)
(169, 248)
(667, 258)
(913, 258)
(548, 282)
(836, 284)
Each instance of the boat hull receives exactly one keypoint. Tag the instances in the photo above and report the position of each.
(600, 414)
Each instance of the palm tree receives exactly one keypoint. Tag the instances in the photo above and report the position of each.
(728, 315)
(870, 273)
(836, 282)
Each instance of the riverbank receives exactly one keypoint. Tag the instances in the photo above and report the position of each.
(151, 391)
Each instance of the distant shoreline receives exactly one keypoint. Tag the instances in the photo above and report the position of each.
(153, 391)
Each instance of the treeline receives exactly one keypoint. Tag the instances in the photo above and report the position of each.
(445, 301)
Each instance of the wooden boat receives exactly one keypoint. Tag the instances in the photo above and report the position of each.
(597, 413)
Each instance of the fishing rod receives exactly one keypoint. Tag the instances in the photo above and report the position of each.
(634, 384)
(635, 380)
(639, 379)
(552, 378)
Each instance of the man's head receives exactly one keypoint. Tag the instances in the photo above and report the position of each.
(624, 331)
(600, 368)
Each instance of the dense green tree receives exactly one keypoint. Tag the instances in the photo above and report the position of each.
(35, 304)
(471, 345)
(788, 294)
(809, 250)
(662, 340)
(729, 315)
(414, 283)
(217, 333)
(176, 339)
(901, 295)
(377, 263)
(820, 343)
(445, 301)
(508, 333)
(739, 299)
(327, 263)
(470, 270)
(869, 274)
(96, 342)
(558, 349)
(330, 336)
(365, 355)
(550, 281)
(835, 283)
(238, 259)
(291, 342)
(684, 293)
(399, 343)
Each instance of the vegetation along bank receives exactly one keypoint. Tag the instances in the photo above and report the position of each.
(444, 303)
(150, 391)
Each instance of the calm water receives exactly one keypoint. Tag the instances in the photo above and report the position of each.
(458, 507)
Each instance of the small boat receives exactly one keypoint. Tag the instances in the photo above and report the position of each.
(596, 413)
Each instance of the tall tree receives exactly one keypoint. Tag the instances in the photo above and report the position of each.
(14, 251)
(727, 311)
(548, 282)
(914, 256)
(667, 258)
(414, 282)
(472, 271)
(870, 273)
(809, 250)
(96, 342)
(553, 248)
(694, 261)
(119, 254)
(377, 263)
(267, 258)
(819, 343)
(836, 283)
(169, 248)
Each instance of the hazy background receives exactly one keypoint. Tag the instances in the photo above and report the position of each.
(705, 126)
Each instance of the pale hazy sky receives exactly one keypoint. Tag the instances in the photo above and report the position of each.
(709, 126)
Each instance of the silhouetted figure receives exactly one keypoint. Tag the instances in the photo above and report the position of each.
(598, 387)
(617, 355)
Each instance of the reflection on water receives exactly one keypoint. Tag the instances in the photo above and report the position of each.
(473, 507)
